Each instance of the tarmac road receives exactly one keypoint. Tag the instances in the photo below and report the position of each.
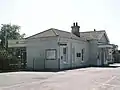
(78, 79)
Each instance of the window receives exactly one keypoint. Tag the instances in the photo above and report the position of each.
(51, 54)
(83, 50)
(64, 50)
(78, 54)
(65, 54)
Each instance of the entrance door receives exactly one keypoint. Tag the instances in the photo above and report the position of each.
(63, 56)
(102, 56)
(73, 57)
(99, 59)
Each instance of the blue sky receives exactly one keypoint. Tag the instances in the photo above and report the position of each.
(38, 15)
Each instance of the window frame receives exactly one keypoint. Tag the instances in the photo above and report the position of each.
(66, 54)
(50, 50)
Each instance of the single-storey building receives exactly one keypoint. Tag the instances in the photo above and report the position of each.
(58, 49)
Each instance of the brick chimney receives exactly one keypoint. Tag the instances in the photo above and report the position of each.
(75, 29)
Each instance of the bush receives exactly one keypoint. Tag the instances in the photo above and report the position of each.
(7, 61)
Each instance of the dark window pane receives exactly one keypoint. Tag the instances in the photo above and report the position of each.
(78, 54)
(64, 50)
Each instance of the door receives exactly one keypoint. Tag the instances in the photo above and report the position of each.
(63, 56)
(73, 56)
(99, 58)
(102, 56)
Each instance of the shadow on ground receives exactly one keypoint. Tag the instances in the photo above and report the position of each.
(59, 70)
(54, 70)
(106, 66)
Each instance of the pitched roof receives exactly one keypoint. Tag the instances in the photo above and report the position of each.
(93, 34)
(55, 32)
(89, 35)
(66, 34)
(45, 33)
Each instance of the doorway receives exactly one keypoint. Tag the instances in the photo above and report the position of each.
(63, 56)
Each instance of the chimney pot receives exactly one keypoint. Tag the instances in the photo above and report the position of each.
(73, 24)
(94, 29)
(76, 24)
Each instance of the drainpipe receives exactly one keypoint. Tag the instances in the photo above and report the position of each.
(33, 63)
(71, 52)
(59, 52)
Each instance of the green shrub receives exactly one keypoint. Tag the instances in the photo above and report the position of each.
(7, 61)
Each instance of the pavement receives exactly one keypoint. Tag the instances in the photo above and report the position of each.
(92, 78)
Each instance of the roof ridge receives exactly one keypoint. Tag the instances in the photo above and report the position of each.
(39, 33)
(62, 31)
(93, 31)
(54, 32)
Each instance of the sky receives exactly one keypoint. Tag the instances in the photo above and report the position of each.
(35, 16)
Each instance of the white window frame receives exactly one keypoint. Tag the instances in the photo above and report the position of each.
(52, 51)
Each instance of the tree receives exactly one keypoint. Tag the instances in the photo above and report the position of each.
(9, 31)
